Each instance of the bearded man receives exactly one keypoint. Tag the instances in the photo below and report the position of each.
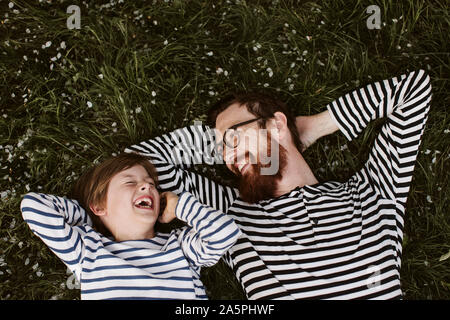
(301, 238)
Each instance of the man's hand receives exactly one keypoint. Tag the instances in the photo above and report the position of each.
(312, 128)
(171, 200)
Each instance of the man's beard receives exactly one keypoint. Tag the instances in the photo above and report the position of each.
(254, 186)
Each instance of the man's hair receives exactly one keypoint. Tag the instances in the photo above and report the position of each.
(92, 187)
(259, 104)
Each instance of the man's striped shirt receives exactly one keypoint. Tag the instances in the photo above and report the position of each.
(331, 240)
(164, 267)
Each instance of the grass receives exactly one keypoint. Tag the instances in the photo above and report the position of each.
(139, 69)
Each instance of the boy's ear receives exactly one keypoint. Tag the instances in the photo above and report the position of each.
(97, 210)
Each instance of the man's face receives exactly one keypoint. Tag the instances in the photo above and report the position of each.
(255, 153)
(132, 201)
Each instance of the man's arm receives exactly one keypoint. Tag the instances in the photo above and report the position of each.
(405, 102)
(174, 153)
(312, 128)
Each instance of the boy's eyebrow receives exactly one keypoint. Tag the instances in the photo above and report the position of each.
(133, 176)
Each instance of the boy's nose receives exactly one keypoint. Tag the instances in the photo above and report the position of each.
(145, 185)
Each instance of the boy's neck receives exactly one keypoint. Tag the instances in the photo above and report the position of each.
(124, 236)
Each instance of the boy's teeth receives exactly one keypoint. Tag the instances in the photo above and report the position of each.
(145, 203)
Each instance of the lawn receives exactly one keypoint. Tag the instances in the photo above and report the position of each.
(138, 69)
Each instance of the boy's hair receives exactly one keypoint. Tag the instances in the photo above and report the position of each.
(92, 187)
(259, 104)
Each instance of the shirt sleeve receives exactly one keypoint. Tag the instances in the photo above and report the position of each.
(173, 154)
(404, 101)
(54, 220)
(210, 233)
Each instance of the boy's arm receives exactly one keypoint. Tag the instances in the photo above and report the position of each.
(52, 219)
(174, 153)
(405, 102)
(210, 234)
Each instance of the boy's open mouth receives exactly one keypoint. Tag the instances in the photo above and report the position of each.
(145, 202)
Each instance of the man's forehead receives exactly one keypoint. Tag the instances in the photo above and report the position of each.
(234, 114)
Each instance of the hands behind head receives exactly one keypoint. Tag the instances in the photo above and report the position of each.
(168, 203)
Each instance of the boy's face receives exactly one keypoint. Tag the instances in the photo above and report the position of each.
(132, 205)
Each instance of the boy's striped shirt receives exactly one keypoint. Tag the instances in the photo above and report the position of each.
(164, 267)
(331, 240)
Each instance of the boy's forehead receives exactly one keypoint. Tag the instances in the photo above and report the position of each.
(134, 172)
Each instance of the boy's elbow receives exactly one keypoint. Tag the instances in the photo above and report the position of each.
(27, 201)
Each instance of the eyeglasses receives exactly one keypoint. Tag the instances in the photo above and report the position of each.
(231, 137)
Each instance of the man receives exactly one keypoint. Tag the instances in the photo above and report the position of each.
(301, 238)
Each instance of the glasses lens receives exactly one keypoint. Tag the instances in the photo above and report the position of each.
(231, 138)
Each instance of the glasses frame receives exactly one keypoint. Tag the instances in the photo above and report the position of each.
(234, 127)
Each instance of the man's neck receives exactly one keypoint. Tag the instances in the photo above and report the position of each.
(297, 173)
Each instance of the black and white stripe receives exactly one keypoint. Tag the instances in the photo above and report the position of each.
(164, 267)
(331, 240)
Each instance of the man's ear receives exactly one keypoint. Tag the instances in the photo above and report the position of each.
(281, 124)
(97, 210)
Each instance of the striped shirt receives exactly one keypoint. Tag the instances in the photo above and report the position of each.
(330, 240)
(164, 267)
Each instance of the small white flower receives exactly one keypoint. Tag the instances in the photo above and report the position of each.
(269, 70)
(100, 76)
(27, 30)
(309, 38)
(219, 70)
(63, 45)
(210, 53)
(429, 199)
(166, 42)
(153, 94)
(25, 58)
(138, 110)
(48, 44)
(10, 5)
(89, 104)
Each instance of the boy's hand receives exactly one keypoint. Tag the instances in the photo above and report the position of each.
(171, 200)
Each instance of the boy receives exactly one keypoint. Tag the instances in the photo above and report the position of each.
(135, 261)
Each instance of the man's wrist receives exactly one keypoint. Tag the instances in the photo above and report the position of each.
(324, 124)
